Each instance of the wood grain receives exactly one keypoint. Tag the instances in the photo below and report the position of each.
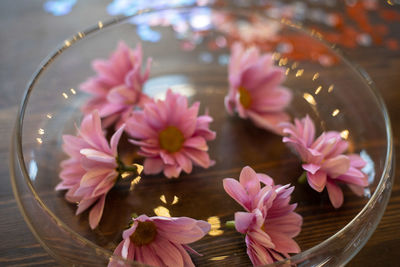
(28, 33)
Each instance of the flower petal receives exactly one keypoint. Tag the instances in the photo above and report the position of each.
(236, 191)
(153, 165)
(243, 221)
(249, 180)
(317, 181)
(96, 212)
(335, 194)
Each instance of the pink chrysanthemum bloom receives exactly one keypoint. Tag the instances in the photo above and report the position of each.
(117, 87)
(91, 170)
(270, 223)
(324, 161)
(171, 135)
(255, 88)
(160, 241)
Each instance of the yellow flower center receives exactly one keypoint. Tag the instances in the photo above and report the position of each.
(244, 97)
(144, 234)
(171, 139)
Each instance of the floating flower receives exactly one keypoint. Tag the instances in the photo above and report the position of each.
(171, 135)
(324, 161)
(255, 89)
(92, 169)
(160, 241)
(270, 223)
(117, 87)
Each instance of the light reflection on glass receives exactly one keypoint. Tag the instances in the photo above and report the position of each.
(276, 55)
(369, 168)
(299, 72)
(49, 116)
(309, 98)
(33, 169)
(344, 134)
(206, 57)
(162, 211)
(73, 91)
(176, 199)
(318, 90)
(162, 198)
(100, 24)
(200, 19)
(330, 89)
(59, 7)
(215, 226)
(218, 258)
(67, 43)
(41, 131)
(223, 60)
(157, 87)
(147, 34)
(135, 181)
(65, 95)
(283, 61)
(39, 140)
(316, 76)
(335, 112)
(287, 71)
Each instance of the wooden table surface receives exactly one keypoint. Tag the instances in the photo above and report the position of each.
(27, 34)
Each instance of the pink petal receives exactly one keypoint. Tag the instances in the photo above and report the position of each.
(153, 165)
(115, 140)
(269, 121)
(97, 155)
(180, 230)
(93, 177)
(356, 161)
(311, 168)
(243, 221)
(167, 158)
(336, 166)
(317, 181)
(187, 261)
(358, 190)
(200, 158)
(335, 194)
(236, 191)
(168, 252)
(149, 256)
(265, 179)
(262, 238)
(85, 204)
(184, 162)
(249, 180)
(172, 171)
(284, 243)
(96, 212)
(196, 142)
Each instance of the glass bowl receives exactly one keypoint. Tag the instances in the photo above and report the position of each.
(190, 49)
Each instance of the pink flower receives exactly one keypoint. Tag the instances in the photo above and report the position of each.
(270, 223)
(117, 87)
(171, 135)
(255, 89)
(91, 170)
(324, 161)
(160, 241)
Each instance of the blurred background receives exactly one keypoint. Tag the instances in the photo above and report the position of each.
(367, 30)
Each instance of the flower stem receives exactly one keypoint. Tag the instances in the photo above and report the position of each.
(230, 224)
(303, 178)
(134, 169)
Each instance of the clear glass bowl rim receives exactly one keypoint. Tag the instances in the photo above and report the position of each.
(119, 19)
